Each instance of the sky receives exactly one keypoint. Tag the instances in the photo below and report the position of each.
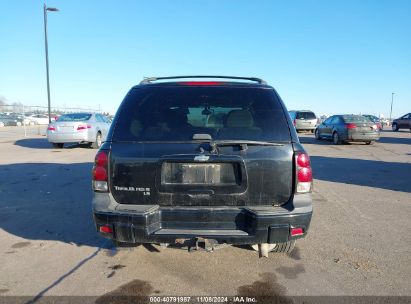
(330, 56)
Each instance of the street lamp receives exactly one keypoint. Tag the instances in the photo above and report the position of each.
(392, 101)
(45, 10)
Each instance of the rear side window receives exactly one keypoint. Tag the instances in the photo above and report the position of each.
(337, 120)
(176, 113)
(328, 120)
(99, 118)
(74, 117)
(306, 115)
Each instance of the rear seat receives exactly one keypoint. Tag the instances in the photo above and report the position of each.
(239, 125)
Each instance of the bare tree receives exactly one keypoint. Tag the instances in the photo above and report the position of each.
(2, 101)
(17, 107)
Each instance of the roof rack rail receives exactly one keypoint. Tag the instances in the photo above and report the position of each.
(147, 80)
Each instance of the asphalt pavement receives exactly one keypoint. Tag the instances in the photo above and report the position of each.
(358, 244)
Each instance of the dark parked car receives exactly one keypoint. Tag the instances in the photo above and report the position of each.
(202, 163)
(375, 120)
(348, 128)
(403, 122)
(304, 120)
(10, 120)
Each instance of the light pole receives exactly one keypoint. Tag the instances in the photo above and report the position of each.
(392, 101)
(50, 9)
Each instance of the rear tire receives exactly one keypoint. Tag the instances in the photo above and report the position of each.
(284, 247)
(98, 141)
(394, 127)
(369, 142)
(58, 145)
(317, 135)
(118, 244)
(336, 139)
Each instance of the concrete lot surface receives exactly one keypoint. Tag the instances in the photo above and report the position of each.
(359, 242)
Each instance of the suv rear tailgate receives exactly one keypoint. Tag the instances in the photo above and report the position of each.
(172, 174)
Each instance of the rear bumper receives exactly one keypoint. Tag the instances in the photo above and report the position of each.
(313, 127)
(243, 225)
(55, 137)
(363, 136)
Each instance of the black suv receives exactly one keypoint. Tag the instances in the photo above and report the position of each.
(202, 163)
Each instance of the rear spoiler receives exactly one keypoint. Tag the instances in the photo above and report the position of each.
(148, 80)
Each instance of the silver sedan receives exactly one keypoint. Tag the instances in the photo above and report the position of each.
(87, 128)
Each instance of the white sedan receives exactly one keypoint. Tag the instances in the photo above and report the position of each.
(87, 128)
(39, 119)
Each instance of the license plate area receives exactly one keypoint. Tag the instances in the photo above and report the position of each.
(66, 129)
(200, 174)
(365, 129)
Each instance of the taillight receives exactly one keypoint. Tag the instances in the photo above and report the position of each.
(303, 160)
(100, 172)
(51, 128)
(83, 127)
(294, 123)
(350, 126)
(304, 173)
(297, 231)
(106, 229)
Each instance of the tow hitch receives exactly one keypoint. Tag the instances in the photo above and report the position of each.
(200, 244)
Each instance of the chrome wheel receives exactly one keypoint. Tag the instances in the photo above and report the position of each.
(98, 142)
(394, 127)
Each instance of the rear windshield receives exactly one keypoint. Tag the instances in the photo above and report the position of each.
(372, 118)
(74, 117)
(177, 113)
(355, 118)
(306, 115)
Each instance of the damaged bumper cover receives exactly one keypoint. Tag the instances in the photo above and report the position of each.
(229, 225)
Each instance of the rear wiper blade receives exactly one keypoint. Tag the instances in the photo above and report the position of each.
(245, 142)
(242, 143)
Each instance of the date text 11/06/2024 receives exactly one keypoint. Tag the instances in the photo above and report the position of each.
(203, 299)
